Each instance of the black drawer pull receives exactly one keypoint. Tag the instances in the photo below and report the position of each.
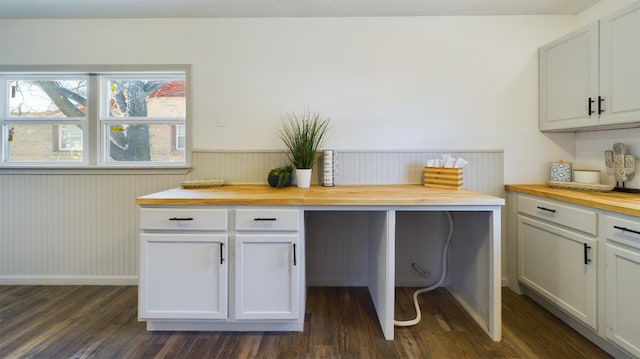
(586, 253)
(181, 219)
(626, 229)
(546, 209)
(265, 219)
(590, 102)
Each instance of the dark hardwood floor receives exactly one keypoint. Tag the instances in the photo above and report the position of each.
(101, 322)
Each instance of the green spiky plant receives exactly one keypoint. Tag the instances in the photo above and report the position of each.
(303, 134)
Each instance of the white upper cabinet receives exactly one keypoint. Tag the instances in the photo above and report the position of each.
(569, 80)
(590, 78)
(620, 67)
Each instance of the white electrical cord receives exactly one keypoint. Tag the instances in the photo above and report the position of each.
(445, 250)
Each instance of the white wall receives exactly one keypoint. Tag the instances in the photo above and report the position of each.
(387, 83)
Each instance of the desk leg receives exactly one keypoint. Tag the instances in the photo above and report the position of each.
(474, 268)
(382, 254)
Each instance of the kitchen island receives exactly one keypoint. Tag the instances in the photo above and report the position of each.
(248, 214)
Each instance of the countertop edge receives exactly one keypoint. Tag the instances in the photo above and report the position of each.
(623, 203)
(354, 195)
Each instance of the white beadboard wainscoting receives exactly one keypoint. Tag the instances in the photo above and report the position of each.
(83, 228)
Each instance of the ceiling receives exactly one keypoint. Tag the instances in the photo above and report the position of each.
(10, 9)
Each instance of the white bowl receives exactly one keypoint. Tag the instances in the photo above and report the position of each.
(586, 176)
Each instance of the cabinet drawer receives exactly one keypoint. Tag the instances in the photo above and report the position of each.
(192, 219)
(573, 217)
(624, 231)
(267, 219)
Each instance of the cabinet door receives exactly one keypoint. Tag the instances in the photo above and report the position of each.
(569, 80)
(560, 265)
(620, 66)
(267, 276)
(183, 276)
(623, 297)
(622, 286)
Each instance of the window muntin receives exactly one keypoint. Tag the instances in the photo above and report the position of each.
(117, 119)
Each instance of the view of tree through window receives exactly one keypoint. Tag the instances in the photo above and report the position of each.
(141, 119)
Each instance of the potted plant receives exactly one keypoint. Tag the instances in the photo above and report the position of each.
(303, 135)
(280, 176)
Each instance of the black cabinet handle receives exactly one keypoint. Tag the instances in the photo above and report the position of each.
(590, 102)
(221, 253)
(586, 253)
(600, 107)
(626, 229)
(295, 260)
(265, 219)
(181, 219)
(546, 209)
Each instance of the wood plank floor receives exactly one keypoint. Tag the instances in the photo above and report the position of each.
(100, 322)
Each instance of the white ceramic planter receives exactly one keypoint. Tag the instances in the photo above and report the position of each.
(303, 177)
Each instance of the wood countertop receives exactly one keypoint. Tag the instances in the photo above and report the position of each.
(351, 195)
(625, 203)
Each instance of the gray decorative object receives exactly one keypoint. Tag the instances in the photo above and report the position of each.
(623, 164)
(561, 171)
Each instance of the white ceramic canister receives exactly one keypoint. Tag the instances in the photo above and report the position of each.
(586, 176)
(560, 171)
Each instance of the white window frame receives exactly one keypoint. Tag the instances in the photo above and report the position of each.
(94, 125)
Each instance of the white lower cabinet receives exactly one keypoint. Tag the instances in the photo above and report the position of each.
(557, 255)
(622, 295)
(586, 263)
(267, 276)
(560, 265)
(202, 270)
(183, 276)
(268, 258)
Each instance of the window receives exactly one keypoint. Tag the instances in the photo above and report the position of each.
(103, 119)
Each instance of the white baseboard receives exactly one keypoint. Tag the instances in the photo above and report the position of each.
(67, 280)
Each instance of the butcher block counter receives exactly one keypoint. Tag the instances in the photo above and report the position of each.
(624, 203)
(354, 195)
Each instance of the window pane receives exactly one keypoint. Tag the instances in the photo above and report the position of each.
(47, 98)
(41, 143)
(147, 98)
(143, 143)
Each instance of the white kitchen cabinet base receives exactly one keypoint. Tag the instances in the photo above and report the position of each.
(474, 277)
(202, 325)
